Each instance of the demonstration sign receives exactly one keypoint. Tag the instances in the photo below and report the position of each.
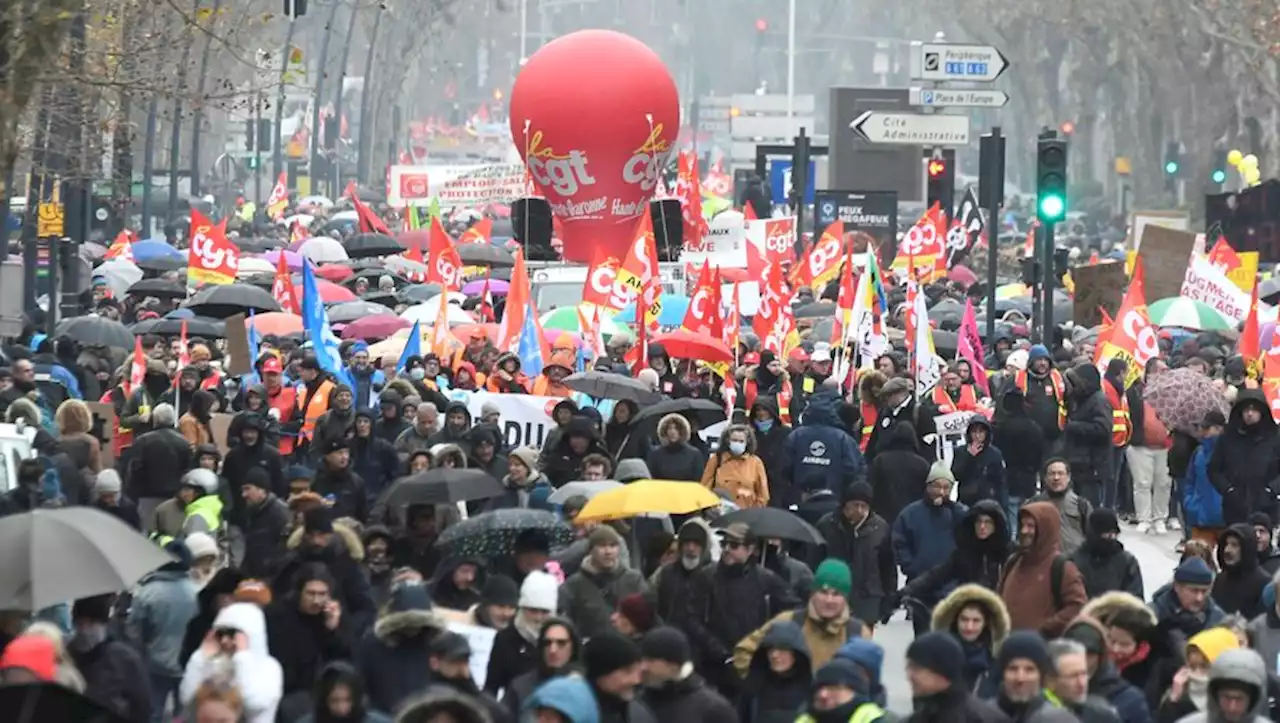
(950, 429)
(456, 185)
(526, 419)
(723, 245)
(1206, 283)
(872, 212)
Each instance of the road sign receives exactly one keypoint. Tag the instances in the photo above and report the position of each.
(49, 220)
(947, 61)
(912, 130)
(947, 98)
(780, 180)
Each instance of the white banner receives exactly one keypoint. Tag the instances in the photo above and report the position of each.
(478, 185)
(950, 437)
(525, 420)
(1206, 283)
(724, 245)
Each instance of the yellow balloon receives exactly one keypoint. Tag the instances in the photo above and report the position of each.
(1253, 177)
(1234, 157)
(1249, 161)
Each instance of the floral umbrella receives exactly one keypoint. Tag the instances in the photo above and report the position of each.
(493, 534)
(1181, 398)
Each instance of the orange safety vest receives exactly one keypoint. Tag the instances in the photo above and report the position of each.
(968, 400)
(869, 415)
(1059, 391)
(1121, 421)
(317, 405)
(284, 401)
(784, 402)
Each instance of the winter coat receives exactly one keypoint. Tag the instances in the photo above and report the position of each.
(1026, 586)
(770, 448)
(257, 674)
(868, 551)
(972, 561)
(898, 472)
(390, 428)
(886, 420)
(1181, 624)
(163, 603)
(743, 478)
(689, 699)
(243, 457)
(436, 702)
(570, 696)
(768, 697)
(1105, 566)
(797, 575)
(676, 460)
(446, 594)
(1201, 500)
(392, 656)
(671, 582)
(523, 496)
(1073, 517)
(1238, 588)
(1153, 666)
(924, 535)
(342, 673)
(376, 462)
(979, 477)
(522, 687)
(820, 453)
(343, 490)
(955, 705)
(125, 510)
(590, 596)
(1243, 668)
(1022, 444)
(342, 559)
(116, 678)
(1246, 462)
(729, 602)
(1086, 438)
(980, 655)
(1108, 686)
(1264, 631)
(512, 655)
(1039, 710)
(823, 638)
(157, 462)
(560, 463)
(619, 437)
(266, 527)
(270, 428)
(302, 643)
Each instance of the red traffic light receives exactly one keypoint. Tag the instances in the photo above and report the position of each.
(937, 168)
(762, 25)
(1067, 128)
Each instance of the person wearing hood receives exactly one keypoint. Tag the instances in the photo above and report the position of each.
(252, 451)
(672, 690)
(379, 543)
(771, 437)
(979, 465)
(340, 698)
(507, 377)
(860, 538)
(1237, 691)
(1238, 586)
(486, 450)
(373, 459)
(1042, 590)
(343, 489)
(981, 549)
(1045, 390)
(1246, 461)
(1102, 560)
(307, 630)
(1073, 509)
(562, 463)
(924, 535)
(145, 398)
(336, 549)
(869, 657)
(464, 377)
(671, 582)
(368, 379)
(390, 424)
(1104, 679)
(457, 583)
(1142, 654)
(563, 700)
(264, 522)
(237, 643)
(898, 471)
(675, 458)
(590, 595)
(736, 470)
(392, 656)
(550, 383)
(256, 404)
(457, 422)
(941, 693)
(514, 653)
(564, 412)
(115, 676)
(619, 439)
(669, 383)
(183, 391)
(1268, 556)
(1188, 696)
(1022, 445)
(162, 605)
(556, 655)
(979, 620)
(778, 682)
(820, 453)
(1086, 436)
(157, 462)
(526, 487)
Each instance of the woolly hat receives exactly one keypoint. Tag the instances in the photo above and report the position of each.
(539, 591)
(1257, 519)
(1039, 351)
(938, 652)
(499, 590)
(490, 407)
(528, 457)
(857, 492)
(1017, 359)
(637, 609)
(107, 483)
(667, 643)
(603, 535)
(834, 574)
(1102, 521)
(693, 532)
(1024, 644)
(1193, 571)
(608, 652)
(201, 545)
(938, 471)
(317, 519)
(840, 671)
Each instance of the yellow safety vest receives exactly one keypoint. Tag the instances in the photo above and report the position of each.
(866, 713)
(208, 508)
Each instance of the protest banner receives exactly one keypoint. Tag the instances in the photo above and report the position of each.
(456, 185)
(724, 245)
(526, 419)
(104, 429)
(950, 429)
(1165, 253)
(1206, 283)
(1100, 286)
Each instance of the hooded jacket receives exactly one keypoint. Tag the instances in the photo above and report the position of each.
(619, 438)
(570, 696)
(773, 698)
(1086, 437)
(374, 459)
(390, 428)
(678, 460)
(1201, 500)
(262, 454)
(392, 657)
(867, 548)
(257, 674)
(1238, 588)
(521, 689)
(1027, 585)
(1240, 667)
(980, 562)
(1022, 444)
(561, 464)
(980, 476)
(771, 439)
(1152, 666)
(447, 434)
(335, 423)
(1106, 682)
(447, 700)
(1246, 461)
(671, 582)
(270, 427)
(333, 675)
(1104, 563)
(819, 453)
(898, 471)
(980, 655)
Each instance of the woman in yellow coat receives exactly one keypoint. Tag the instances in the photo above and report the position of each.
(736, 469)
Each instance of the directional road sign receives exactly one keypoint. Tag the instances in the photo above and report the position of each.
(912, 130)
(947, 98)
(947, 61)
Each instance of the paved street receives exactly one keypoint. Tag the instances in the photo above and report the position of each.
(1155, 556)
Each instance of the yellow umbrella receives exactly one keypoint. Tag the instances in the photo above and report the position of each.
(650, 495)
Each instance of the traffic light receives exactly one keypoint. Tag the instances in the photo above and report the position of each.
(1051, 178)
(295, 8)
(941, 184)
(1218, 174)
(1067, 128)
(252, 162)
(264, 135)
(250, 134)
(1172, 163)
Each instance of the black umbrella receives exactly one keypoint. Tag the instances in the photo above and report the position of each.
(421, 292)
(607, 385)
(370, 245)
(258, 245)
(95, 330)
(32, 702)
(159, 288)
(162, 264)
(947, 313)
(700, 412)
(349, 311)
(373, 274)
(443, 486)
(816, 310)
(382, 298)
(771, 522)
(223, 300)
(485, 255)
(493, 534)
(197, 326)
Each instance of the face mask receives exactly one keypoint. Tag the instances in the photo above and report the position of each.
(737, 448)
(764, 425)
(418, 374)
(88, 637)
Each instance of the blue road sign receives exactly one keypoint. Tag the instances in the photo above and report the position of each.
(780, 180)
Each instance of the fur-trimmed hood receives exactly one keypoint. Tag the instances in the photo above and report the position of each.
(946, 612)
(24, 409)
(680, 423)
(440, 451)
(406, 613)
(347, 538)
(1121, 610)
(870, 383)
(437, 700)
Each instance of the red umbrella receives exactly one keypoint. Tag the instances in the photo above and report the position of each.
(418, 238)
(334, 273)
(381, 326)
(684, 344)
(279, 323)
(330, 293)
(963, 275)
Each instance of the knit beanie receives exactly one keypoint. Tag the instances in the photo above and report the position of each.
(107, 483)
(637, 609)
(1102, 521)
(1257, 519)
(667, 643)
(938, 652)
(1193, 571)
(938, 471)
(499, 590)
(607, 652)
(1024, 645)
(693, 532)
(840, 671)
(834, 574)
(1039, 351)
(857, 492)
(539, 591)
(603, 535)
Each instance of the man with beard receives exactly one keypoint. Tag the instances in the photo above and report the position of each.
(338, 419)
(1268, 557)
(1246, 459)
(514, 650)
(1042, 590)
(924, 535)
(1045, 391)
(935, 670)
(1238, 586)
(188, 384)
(591, 594)
(1024, 667)
(672, 581)
(307, 630)
(862, 540)
(457, 583)
(457, 420)
(376, 565)
(1073, 510)
(450, 663)
(367, 378)
(1102, 560)
(672, 690)
(558, 648)
(614, 667)
(373, 459)
(390, 425)
(982, 546)
(321, 546)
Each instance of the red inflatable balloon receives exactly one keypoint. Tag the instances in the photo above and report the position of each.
(595, 114)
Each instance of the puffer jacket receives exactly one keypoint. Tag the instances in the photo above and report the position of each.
(1201, 501)
(392, 657)
(980, 655)
(820, 453)
(1086, 437)
(1106, 565)
(898, 471)
(678, 460)
(1245, 466)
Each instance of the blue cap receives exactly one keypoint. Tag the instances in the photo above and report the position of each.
(1039, 351)
(1193, 571)
(359, 346)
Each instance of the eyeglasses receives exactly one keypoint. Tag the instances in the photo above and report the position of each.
(556, 643)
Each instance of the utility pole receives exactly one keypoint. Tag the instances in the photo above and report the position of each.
(198, 119)
(318, 100)
(175, 137)
(277, 153)
(364, 141)
(990, 197)
(335, 170)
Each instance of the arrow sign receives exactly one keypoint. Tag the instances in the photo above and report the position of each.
(947, 61)
(912, 130)
(946, 98)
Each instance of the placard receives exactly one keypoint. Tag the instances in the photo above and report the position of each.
(950, 429)
(1206, 283)
(723, 245)
(481, 641)
(1165, 255)
(1097, 286)
(1139, 221)
(104, 429)
(526, 420)
(237, 362)
(872, 212)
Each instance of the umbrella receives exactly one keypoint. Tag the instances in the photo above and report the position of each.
(258, 245)
(383, 298)
(95, 330)
(162, 264)
(280, 323)
(322, 201)
(672, 314)
(292, 259)
(422, 292)
(646, 496)
(159, 288)
(198, 326)
(947, 314)
(335, 273)
(497, 287)
(393, 347)
(250, 266)
(323, 249)
(222, 300)
(1188, 314)
(90, 251)
(375, 327)
(816, 310)
(180, 314)
(700, 412)
(485, 255)
(370, 245)
(404, 268)
(771, 522)
(566, 319)
(150, 249)
(1181, 398)
(1269, 290)
(493, 534)
(119, 275)
(428, 312)
(52, 556)
(588, 489)
(607, 385)
(330, 292)
(373, 275)
(350, 311)
(684, 344)
(31, 702)
(962, 275)
(443, 486)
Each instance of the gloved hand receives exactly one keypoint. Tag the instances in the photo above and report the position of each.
(888, 606)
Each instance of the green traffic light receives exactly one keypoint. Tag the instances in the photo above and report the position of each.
(1219, 176)
(1171, 167)
(1052, 208)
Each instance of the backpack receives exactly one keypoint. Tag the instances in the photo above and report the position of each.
(1055, 579)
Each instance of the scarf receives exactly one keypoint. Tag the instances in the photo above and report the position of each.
(1140, 654)
(527, 630)
(1198, 690)
(831, 626)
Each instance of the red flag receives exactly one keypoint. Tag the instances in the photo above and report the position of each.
(690, 196)
(282, 288)
(369, 221)
(486, 300)
(517, 306)
(184, 351)
(479, 232)
(444, 266)
(703, 315)
(601, 287)
(122, 247)
(1250, 340)
(211, 258)
(844, 303)
(822, 261)
(749, 212)
(1224, 257)
(138, 369)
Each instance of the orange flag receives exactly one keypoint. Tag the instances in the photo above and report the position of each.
(444, 266)
(822, 261)
(480, 232)
(517, 306)
(282, 288)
